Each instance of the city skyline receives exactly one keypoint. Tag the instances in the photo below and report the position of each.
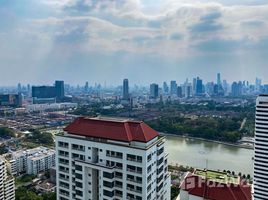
(81, 40)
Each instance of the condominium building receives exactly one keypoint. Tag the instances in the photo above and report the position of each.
(107, 158)
(31, 161)
(7, 184)
(261, 149)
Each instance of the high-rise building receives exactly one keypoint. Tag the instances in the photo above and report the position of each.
(154, 90)
(125, 89)
(43, 92)
(194, 86)
(165, 88)
(107, 158)
(199, 86)
(7, 183)
(219, 79)
(261, 149)
(59, 89)
(11, 100)
(173, 88)
(179, 91)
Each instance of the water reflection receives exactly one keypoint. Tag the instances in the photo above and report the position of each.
(223, 157)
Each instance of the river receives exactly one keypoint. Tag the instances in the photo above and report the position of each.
(194, 153)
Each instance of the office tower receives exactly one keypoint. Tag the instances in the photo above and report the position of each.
(59, 89)
(179, 91)
(261, 149)
(173, 87)
(258, 83)
(125, 89)
(154, 91)
(188, 91)
(86, 87)
(108, 158)
(165, 88)
(219, 79)
(19, 88)
(43, 92)
(237, 89)
(11, 100)
(194, 86)
(7, 183)
(199, 86)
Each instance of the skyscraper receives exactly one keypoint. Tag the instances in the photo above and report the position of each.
(179, 91)
(59, 89)
(219, 79)
(108, 158)
(173, 87)
(165, 88)
(199, 86)
(154, 91)
(261, 149)
(125, 89)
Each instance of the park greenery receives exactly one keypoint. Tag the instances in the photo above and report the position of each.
(39, 137)
(222, 129)
(23, 193)
(6, 132)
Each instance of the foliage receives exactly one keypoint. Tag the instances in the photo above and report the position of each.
(24, 179)
(222, 129)
(23, 194)
(44, 138)
(174, 192)
(6, 132)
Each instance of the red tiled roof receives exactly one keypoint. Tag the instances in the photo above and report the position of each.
(121, 130)
(219, 191)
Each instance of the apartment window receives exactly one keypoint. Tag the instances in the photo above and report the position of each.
(78, 167)
(160, 151)
(108, 175)
(78, 176)
(78, 147)
(118, 175)
(79, 193)
(63, 144)
(78, 184)
(108, 184)
(108, 193)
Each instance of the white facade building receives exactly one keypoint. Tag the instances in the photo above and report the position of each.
(32, 161)
(261, 149)
(7, 184)
(111, 159)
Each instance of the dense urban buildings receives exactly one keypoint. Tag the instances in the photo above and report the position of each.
(111, 158)
(261, 149)
(48, 93)
(7, 183)
(31, 161)
(11, 100)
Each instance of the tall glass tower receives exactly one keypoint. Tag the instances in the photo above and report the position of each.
(261, 149)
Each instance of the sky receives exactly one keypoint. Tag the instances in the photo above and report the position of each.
(143, 40)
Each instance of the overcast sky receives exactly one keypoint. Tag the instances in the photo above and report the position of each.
(143, 40)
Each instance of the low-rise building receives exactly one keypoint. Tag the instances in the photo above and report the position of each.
(32, 161)
(214, 185)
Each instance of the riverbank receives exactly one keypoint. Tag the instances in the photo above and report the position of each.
(251, 147)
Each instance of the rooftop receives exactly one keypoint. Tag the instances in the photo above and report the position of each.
(219, 177)
(212, 185)
(119, 129)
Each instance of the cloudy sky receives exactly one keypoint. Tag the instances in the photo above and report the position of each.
(144, 40)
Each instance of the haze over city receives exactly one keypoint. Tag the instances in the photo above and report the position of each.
(143, 40)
